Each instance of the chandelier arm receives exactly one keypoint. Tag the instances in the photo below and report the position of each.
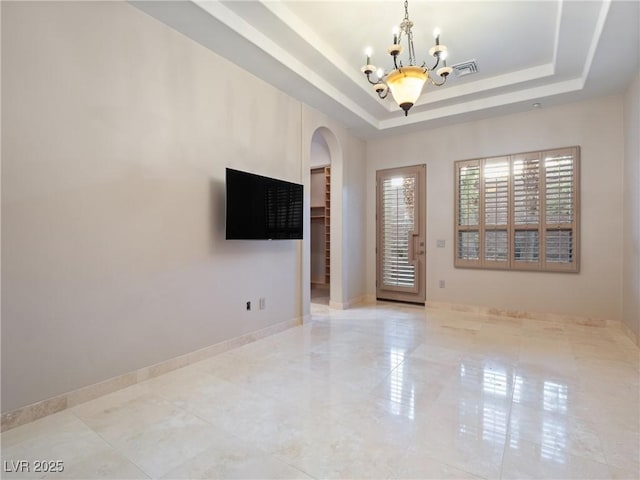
(386, 92)
(433, 82)
(436, 64)
(371, 82)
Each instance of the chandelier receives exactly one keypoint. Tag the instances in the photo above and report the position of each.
(406, 81)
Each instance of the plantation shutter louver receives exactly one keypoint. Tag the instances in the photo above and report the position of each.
(560, 205)
(496, 211)
(526, 210)
(468, 213)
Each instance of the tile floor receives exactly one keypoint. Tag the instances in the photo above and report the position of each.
(320, 294)
(372, 392)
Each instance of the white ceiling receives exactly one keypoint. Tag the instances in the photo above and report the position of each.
(527, 52)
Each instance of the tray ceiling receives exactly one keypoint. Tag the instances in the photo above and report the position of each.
(527, 52)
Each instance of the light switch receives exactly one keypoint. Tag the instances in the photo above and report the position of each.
(441, 243)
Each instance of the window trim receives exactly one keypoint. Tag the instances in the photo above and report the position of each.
(542, 226)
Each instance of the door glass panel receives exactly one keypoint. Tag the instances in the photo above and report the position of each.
(398, 217)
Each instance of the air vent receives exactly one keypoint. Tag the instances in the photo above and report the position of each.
(465, 68)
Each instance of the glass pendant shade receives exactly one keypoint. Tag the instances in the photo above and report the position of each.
(406, 85)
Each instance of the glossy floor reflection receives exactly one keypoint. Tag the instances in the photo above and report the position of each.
(373, 392)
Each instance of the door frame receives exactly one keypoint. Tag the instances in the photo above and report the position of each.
(417, 244)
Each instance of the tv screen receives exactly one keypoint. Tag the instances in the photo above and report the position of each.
(262, 208)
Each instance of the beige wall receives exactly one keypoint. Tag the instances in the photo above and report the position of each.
(117, 132)
(631, 235)
(354, 235)
(597, 127)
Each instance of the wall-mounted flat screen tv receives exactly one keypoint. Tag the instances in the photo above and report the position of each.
(262, 208)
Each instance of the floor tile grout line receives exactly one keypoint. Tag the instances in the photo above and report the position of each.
(113, 447)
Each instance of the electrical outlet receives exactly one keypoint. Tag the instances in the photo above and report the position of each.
(248, 305)
(263, 303)
(441, 243)
(441, 283)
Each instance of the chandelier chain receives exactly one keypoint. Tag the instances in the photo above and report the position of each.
(405, 27)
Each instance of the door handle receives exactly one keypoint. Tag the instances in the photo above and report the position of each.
(411, 249)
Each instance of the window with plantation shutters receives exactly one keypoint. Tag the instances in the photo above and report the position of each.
(518, 211)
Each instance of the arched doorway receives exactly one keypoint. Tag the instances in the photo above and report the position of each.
(320, 217)
(325, 151)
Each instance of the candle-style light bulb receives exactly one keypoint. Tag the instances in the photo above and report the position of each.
(380, 73)
(395, 32)
(368, 51)
(436, 33)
